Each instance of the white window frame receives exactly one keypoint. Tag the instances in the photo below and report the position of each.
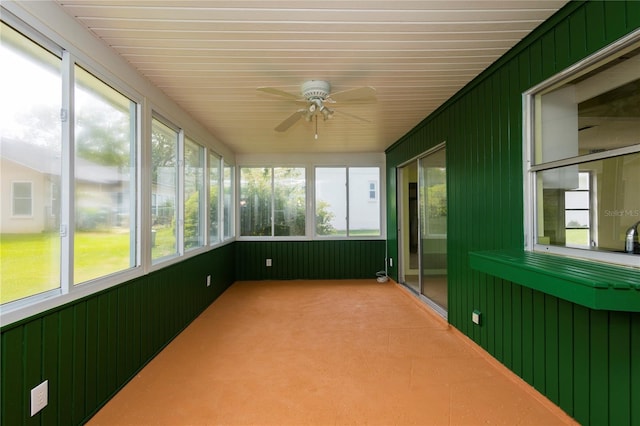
(310, 162)
(531, 169)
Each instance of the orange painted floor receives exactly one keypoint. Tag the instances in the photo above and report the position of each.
(324, 353)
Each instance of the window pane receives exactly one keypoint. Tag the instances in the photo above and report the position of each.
(164, 177)
(595, 112)
(194, 207)
(255, 201)
(105, 177)
(577, 219)
(576, 199)
(364, 212)
(614, 194)
(289, 201)
(228, 202)
(30, 84)
(214, 198)
(331, 201)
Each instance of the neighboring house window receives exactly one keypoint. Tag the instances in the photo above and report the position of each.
(105, 179)
(194, 207)
(584, 157)
(272, 201)
(22, 199)
(343, 204)
(373, 191)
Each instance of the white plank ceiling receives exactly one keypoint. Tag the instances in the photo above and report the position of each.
(211, 56)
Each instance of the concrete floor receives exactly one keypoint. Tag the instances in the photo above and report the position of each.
(324, 353)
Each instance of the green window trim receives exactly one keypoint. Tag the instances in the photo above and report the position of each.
(591, 284)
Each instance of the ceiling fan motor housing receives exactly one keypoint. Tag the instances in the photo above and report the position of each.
(315, 89)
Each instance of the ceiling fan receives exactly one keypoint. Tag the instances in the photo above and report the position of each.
(315, 95)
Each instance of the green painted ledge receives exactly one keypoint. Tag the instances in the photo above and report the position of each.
(591, 284)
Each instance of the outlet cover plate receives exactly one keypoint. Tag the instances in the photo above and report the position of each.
(476, 317)
(268, 262)
(39, 397)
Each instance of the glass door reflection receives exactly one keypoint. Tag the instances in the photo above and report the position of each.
(432, 200)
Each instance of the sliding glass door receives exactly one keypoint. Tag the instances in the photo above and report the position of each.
(422, 215)
(433, 226)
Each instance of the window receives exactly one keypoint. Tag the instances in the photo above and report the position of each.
(30, 83)
(584, 157)
(194, 207)
(272, 201)
(70, 179)
(214, 198)
(164, 185)
(105, 179)
(227, 192)
(577, 213)
(344, 204)
(22, 202)
(373, 191)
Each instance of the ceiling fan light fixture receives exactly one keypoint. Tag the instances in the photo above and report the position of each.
(326, 112)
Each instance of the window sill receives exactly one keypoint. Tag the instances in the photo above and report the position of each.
(592, 284)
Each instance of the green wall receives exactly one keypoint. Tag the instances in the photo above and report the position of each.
(318, 259)
(585, 361)
(90, 348)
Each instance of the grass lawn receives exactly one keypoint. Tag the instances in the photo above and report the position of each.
(577, 237)
(30, 263)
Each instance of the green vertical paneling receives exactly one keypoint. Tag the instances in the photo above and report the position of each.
(517, 327)
(581, 366)
(595, 28)
(565, 360)
(564, 350)
(78, 371)
(599, 368)
(551, 345)
(562, 40)
(634, 376)
(50, 365)
(619, 367)
(577, 40)
(33, 376)
(90, 348)
(539, 342)
(13, 389)
(615, 19)
(65, 366)
(318, 259)
(92, 343)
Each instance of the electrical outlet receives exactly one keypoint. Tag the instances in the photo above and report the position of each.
(391, 262)
(208, 280)
(268, 262)
(476, 316)
(39, 397)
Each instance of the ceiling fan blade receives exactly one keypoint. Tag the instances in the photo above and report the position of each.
(278, 92)
(290, 121)
(352, 116)
(361, 94)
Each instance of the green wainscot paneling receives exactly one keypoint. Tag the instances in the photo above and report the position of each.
(317, 259)
(580, 358)
(90, 348)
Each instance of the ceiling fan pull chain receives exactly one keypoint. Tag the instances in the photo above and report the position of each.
(316, 127)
